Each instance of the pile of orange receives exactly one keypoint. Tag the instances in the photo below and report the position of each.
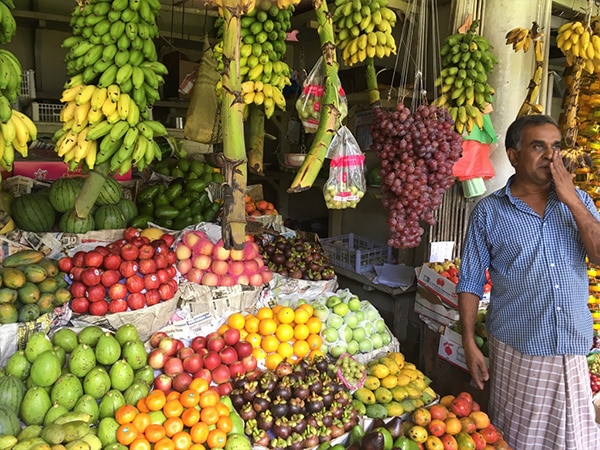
(195, 419)
(259, 207)
(279, 333)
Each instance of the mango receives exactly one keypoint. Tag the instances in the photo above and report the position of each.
(383, 395)
(46, 369)
(394, 408)
(54, 434)
(66, 391)
(365, 396)
(376, 411)
(371, 382)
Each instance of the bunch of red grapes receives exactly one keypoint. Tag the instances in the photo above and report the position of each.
(417, 152)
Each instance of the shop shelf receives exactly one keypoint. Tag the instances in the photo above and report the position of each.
(354, 252)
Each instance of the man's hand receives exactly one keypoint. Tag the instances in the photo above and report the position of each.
(563, 179)
(476, 364)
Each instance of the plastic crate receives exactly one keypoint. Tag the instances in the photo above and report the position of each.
(357, 253)
(28, 84)
(45, 112)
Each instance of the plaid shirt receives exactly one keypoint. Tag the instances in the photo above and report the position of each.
(538, 302)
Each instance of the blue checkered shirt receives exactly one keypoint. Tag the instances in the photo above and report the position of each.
(538, 302)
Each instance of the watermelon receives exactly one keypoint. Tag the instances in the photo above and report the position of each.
(63, 193)
(33, 212)
(70, 223)
(111, 192)
(128, 208)
(12, 391)
(109, 217)
(9, 421)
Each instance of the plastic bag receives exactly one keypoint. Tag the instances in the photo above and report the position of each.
(308, 104)
(474, 162)
(346, 184)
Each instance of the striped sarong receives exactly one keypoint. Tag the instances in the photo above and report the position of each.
(541, 402)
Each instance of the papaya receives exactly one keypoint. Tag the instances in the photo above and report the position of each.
(23, 257)
(8, 295)
(13, 278)
(34, 273)
(29, 293)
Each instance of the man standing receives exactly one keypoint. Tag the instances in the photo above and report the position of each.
(533, 235)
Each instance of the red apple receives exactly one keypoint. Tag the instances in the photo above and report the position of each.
(80, 305)
(151, 282)
(147, 266)
(164, 383)
(136, 300)
(65, 264)
(211, 360)
(221, 374)
(215, 342)
(78, 289)
(146, 252)
(198, 342)
(256, 279)
(166, 292)
(129, 252)
(134, 283)
(102, 250)
(228, 355)
(98, 308)
(193, 363)
(190, 239)
(75, 273)
(210, 279)
(224, 388)
(243, 349)
(183, 266)
(168, 239)
(195, 275)
(237, 368)
(157, 358)
(131, 232)
(112, 261)
(173, 367)
(156, 337)
(163, 275)
(203, 373)
(171, 257)
(117, 306)
(91, 276)
(171, 271)
(202, 262)
(93, 259)
(96, 293)
(236, 267)
(117, 291)
(79, 259)
(219, 251)
(182, 381)
(204, 247)
(152, 297)
(168, 345)
(231, 336)
(249, 363)
(179, 344)
(219, 266)
(236, 255)
(128, 268)
(110, 277)
(160, 260)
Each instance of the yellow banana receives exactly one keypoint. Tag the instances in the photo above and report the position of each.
(8, 130)
(85, 95)
(21, 131)
(68, 111)
(98, 98)
(108, 107)
(70, 94)
(123, 105)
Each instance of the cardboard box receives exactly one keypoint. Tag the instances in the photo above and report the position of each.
(178, 69)
(451, 349)
(434, 282)
(430, 305)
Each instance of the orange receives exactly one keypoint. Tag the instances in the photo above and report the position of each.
(254, 339)
(314, 325)
(173, 408)
(267, 326)
(251, 323)
(125, 414)
(272, 360)
(140, 443)
(173, 425)
(236, 320)
(182, 440)
(209, 398)
(301, 331)
(285, 315)
(173, 395)
(259, 353)
(164, 444)
(154, 433)
(199, 432)
(308, 307)
(209, 415)
(126, 433)
(285, 349)
(141, 405)
(155, 400)
(285, 332)
(276, 310)
(264, 313)
(269, 343)
(301, 348)
(224, 423)
(196, 446)
(223, 328)
(301, 315)
(199, 385)
(314, 341)
(216, 438)
(316, 354)
(190, 416)
(141, 421)
(189, 398)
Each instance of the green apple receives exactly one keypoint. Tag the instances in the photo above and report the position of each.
(337, 350)
(360, 315)
(352, 347)
(301, 301)
(341, 309)
(365, 346)
(354, 303)
(321, 312)
(386, 338)
(372, 314)
(330, 335)
(334, 321)
(359, 334)
(351, 320)
(347, 334)
(380, 325)
(332, 301)
(377, 341)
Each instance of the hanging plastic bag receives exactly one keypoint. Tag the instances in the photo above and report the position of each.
(308, 104)
(346, 184)
(474, 162)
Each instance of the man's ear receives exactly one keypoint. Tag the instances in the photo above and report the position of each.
(512, 156)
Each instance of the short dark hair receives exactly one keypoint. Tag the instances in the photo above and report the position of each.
(514, 133)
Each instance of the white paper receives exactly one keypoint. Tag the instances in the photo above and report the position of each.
(395, 275)
(441, 251)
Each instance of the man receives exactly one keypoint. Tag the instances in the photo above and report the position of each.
(533, 235)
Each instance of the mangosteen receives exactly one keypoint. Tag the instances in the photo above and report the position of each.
(265, 420)
(297, 423)
(279, 443)
(281, 428)
(342, 397)
(311, 420)
(310, 437)
(237, 398)
(314, 403)
(282, 390)
(239, 382)
(316, 385)
(301, 391)
(283, 368)
(279, 407)
(295, 406)
(337, 428)
(327, 418)
(336, 410)
(260, 437)
(295, 442)
(327, 395)
(267, 381)
(250, 390)
(250, 426)
(247, 412)
(295, 273)
(324, 434)
(261, 402)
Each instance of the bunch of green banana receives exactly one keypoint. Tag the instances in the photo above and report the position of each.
(263, 31)
(115, 77)
(15, 133)
(364, 29)
(466, 62)
(8, 25)
(576, 40)
(520, 39)
(10, 79)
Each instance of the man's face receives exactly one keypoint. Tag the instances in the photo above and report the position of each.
(532, 161)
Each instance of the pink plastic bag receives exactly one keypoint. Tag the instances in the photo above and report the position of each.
(474, 162)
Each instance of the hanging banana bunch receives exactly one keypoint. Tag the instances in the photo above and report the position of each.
(16, 129)
(522, 39)
(115, 79)
(467, 60)
(577, 40)
(364, 29)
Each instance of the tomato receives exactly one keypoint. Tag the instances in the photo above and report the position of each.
(216, 438)
(126, 434)
(125, 414)
(154, 433)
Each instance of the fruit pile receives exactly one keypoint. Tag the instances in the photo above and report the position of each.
(294, 406)
(54, 207)
(201, 261)
(115, 77)
(351, 325)
(31, 285)
(417, 152)
(593, 361)
(467, 61)
(128, 274)
(259, 207)
(392, 387)
(16, 129)
(88, 374)
(455, 422)
(279, 333)
(298, 258)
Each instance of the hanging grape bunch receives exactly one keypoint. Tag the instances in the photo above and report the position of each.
(467, 61)
(417, 152)
(263, 73)
(115, 76)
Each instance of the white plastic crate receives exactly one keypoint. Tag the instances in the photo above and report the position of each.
(45, 112)
(28, 84)
(354, 252)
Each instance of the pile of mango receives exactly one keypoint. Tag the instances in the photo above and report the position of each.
(392, 387)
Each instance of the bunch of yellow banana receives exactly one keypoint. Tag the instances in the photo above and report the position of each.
(15, 134)
(10, 78)
(466, 62)
(263, 32)
(8, 25)
(364, 29)
(260, 93)
(577, 40)
(576, 159)
(519, 38)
